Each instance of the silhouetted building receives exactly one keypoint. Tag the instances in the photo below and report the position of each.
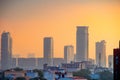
(82, 43)
(117, 63)
(48, 50)
(6, 50)
(68, 53)
(101, 53)
(110, 61)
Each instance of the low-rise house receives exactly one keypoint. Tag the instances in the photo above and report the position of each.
(12, 75)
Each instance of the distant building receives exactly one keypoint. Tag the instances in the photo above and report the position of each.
(58, 61)
(6, 50)
(13, 75)
(110, 61)
(92, 61)
(48, 50)
(53, 72)
(74, 57)
(68, 53)
(27, 63)
(101, 53)
(117, 63)
(82, 43)
(33, 63)
(73, 66)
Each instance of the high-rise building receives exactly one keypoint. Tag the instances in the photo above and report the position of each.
(82, 43)
(101, 53)
(68, 53)
(110, 61)
(6, 51)
(116, 63)
(48, 51)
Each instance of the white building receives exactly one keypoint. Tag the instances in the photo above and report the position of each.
(48, 50)
(6, 51)
(110, 61)
(82, 43)
(101, 53)
(68, 53)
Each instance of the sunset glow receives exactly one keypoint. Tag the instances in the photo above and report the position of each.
(29, 22)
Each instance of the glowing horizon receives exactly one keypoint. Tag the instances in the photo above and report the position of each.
(30, 21)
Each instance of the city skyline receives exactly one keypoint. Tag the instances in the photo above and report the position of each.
(28, 26)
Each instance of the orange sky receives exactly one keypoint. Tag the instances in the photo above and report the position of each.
(29, 21)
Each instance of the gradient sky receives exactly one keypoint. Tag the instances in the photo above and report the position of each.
(29, 21)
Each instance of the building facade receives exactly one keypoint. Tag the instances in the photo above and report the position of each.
(101, 53)
(48, 50)
(110, 61)
(68, 53)
(82, 43)
(73, 66)
(116, 53)
(6, 50)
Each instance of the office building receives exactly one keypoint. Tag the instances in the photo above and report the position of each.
(68, 53)
(6, 50)
(82, 43)
(48, 51)
(110, 61)
(33, 63)
(73, 66)
(116, 63)
(101, 53)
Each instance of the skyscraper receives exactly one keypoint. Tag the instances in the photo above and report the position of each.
(110, 61)
(116, 53)
(48, 50)
(82, 43)
(6, 50)
(101, 53)
(68, 53)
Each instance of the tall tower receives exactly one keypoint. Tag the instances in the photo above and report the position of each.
(101, 53)
(82, 43)
(48, 51)
(68, 53)
(6, 50)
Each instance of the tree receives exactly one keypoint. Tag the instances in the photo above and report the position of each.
(34, 79)
(106, 75)
(18, 69)
(40, 73)
(83, 73)
(20, 78)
